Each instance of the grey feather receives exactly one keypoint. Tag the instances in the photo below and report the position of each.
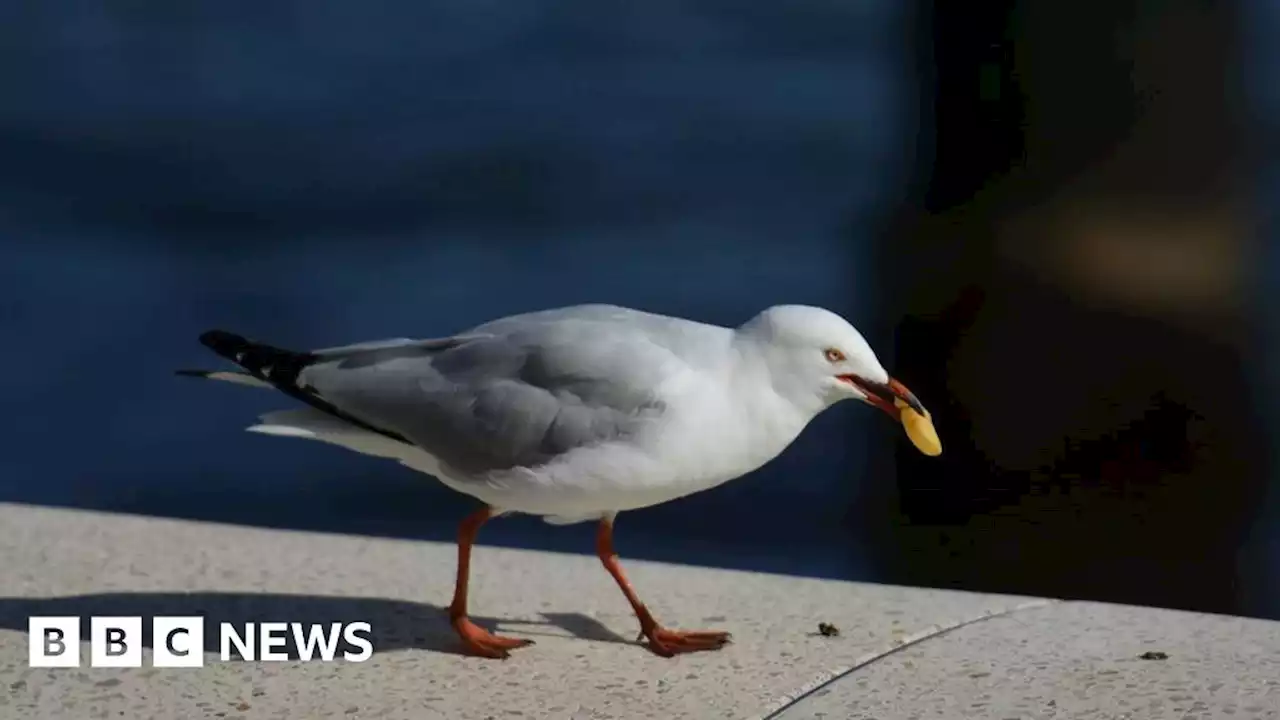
(392, 347)
(516, 392)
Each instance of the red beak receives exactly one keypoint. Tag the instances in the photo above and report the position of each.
(883, 395)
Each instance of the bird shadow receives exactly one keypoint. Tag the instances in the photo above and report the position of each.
(393, 624)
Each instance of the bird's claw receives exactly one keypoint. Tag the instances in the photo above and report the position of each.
(483, 643)
(668, 643)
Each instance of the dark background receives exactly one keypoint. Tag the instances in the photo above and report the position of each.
(1050, 218)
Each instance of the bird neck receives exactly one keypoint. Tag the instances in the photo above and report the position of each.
(754, 368)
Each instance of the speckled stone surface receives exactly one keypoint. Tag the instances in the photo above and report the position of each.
(900, 652)
(1068, 660)
(584, 665)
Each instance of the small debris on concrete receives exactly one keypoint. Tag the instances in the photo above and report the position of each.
(826, 629)
(1154, 655)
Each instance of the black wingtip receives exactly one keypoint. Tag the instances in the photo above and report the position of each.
(277, 367)
(259, 359)
(223, 342)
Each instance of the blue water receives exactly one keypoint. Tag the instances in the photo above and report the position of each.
(315, 173)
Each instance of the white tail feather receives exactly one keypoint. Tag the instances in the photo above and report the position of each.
(231, 376)
(312, 424)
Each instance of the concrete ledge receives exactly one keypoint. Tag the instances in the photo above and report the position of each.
(584, 665)
(1067, 660)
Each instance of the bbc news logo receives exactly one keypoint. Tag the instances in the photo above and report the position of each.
(178, 642)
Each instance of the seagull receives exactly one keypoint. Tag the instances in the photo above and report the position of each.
(576, 414)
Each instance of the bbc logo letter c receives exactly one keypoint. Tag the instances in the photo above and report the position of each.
(177, 641)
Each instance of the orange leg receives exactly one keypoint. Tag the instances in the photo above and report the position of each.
(662, 641)
(477, 640)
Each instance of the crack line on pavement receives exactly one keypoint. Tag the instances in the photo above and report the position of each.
(786, 702)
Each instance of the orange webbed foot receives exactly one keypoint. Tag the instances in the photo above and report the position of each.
(668, 643)
(483, 643)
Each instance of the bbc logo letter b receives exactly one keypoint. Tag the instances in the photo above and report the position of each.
(115, 642)
(53, 641)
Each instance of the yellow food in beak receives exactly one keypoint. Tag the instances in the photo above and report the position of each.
(920, 429)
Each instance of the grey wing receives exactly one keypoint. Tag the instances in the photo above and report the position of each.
(483, 403)
(366, 353)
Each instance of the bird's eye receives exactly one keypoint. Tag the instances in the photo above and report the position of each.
(834, 355)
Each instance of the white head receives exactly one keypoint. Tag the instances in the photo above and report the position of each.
(815, 359)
